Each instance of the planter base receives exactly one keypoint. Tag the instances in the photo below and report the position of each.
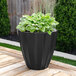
(37, 68)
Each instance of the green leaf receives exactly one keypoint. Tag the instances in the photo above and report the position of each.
(37, 22)
(49, 32)
(43, 29)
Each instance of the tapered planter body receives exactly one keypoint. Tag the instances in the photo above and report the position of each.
(37, 48)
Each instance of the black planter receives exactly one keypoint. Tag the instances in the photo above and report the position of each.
(37, 48)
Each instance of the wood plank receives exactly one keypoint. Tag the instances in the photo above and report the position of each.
(11, 67)
(3, 56)
(11, 15)
(15, 71)
(6, 59)
(10, 50)
(61, 74)
(13, 27)
(18, 10)
(9, 11)
(63, 65)
(22, 8)
(32, 72)
(0, 53)
(26, 6)
(9, 62)
(49, 72)
(12, 54)
(70, 72)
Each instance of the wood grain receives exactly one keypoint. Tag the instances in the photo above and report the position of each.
(12, 64)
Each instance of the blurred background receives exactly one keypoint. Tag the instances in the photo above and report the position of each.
(63, 10)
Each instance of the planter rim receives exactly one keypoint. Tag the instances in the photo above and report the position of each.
(38, 32)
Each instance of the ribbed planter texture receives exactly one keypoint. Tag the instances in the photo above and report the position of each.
(37, 48)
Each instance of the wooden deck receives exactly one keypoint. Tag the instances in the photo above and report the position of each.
(12, 64)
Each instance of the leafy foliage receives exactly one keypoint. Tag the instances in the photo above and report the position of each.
(37, 22)
(4, 20)
(65, 13)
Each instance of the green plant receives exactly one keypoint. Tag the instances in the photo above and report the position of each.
(65, 13)
(4, 20)
(37, 22)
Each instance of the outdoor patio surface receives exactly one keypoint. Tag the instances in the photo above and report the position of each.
(12, 64)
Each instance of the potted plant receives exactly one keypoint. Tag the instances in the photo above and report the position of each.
(37, 39)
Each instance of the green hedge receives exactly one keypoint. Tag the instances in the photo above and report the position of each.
(65, 13)
(4, 20)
